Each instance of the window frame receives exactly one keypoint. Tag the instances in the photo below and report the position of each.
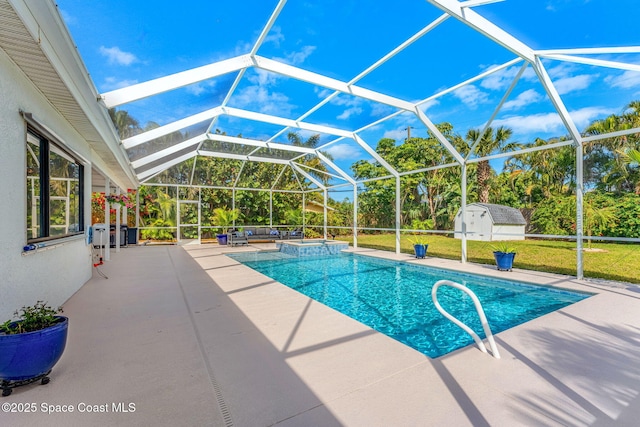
(49, 143)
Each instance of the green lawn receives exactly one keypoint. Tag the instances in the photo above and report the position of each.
(614, 261)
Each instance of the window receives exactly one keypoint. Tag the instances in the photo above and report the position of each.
(55, 180)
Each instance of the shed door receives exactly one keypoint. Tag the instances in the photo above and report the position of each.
(472, 224)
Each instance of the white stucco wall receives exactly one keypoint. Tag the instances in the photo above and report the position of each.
(509, 232)
(54, 274)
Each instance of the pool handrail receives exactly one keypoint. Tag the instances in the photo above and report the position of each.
(479, 309)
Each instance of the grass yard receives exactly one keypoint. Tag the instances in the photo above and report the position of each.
(610, 260)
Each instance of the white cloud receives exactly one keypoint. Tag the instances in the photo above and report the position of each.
(626, 80)
(471, 96)
(116, 56)
(111, 83)
(503, 78)
(550, 123)
(297, 58)
(381, 110)
(424, 107)
(262, 77)
(524, 99)
(536, 123)
(570, 84)
(585, 116)
(322, 92)
(561, 70)
(198, 89)
(344, 152)
(264, 101)
(349, 112)
(397, 134)
(275, 36)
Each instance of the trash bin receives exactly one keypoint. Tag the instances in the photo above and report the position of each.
(132, 236)
(123, 235)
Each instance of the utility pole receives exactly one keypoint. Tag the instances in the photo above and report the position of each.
(408, 129)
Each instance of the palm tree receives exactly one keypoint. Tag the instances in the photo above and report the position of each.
(594, 218)
(631, 158)
(490, 142)
(609, 156)
(318, 169)
(224, 218)
(126, 125)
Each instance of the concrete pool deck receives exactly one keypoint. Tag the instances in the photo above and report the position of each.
(191, 337)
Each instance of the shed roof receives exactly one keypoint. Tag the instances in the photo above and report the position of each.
(503, 215)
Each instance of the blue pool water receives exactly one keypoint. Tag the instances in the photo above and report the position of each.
(395, 298)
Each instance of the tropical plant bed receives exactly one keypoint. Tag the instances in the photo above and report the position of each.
(539, 255)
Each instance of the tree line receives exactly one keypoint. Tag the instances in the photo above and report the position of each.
(542, 182)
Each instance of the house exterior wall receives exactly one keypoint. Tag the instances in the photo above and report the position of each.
(52, 274)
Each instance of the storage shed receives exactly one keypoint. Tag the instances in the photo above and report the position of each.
(491, 222)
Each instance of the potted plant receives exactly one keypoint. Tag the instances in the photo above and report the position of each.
(420, 245)
(419, 241)
(224, 218)
(504, 255)
(31, 345)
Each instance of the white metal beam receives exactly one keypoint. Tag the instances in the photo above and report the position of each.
(165, 166)
(254, 50)
(321, 172)
(497, 109)
(375, 155)
(373, 67)
(590, 51)
(168, 151)
(308, 176)
(335, 167)
(174, 81)
(596, 62)
(474, 3)
(324, 81)
(439, 136)
(262, 144)
(242, 157)
(171, 127)
(471, 80)
(235, 112)
(484, 26)
(556, 100)
(610, 135)
(267, 27)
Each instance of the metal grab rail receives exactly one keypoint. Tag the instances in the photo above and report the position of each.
(483, 318)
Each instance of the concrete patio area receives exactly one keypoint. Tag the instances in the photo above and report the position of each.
(183, 335)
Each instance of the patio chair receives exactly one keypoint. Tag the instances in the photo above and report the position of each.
(238, 238)
(295, 234)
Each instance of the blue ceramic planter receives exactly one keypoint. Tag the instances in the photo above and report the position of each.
(504, 260)
(222, 239)
(420, 250)
(29, 355)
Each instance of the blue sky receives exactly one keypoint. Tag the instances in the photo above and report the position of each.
(127, 42)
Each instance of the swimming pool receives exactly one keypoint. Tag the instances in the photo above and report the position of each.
(394, 298)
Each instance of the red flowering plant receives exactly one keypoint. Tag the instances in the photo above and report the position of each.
(98, 201)
(121, 199)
